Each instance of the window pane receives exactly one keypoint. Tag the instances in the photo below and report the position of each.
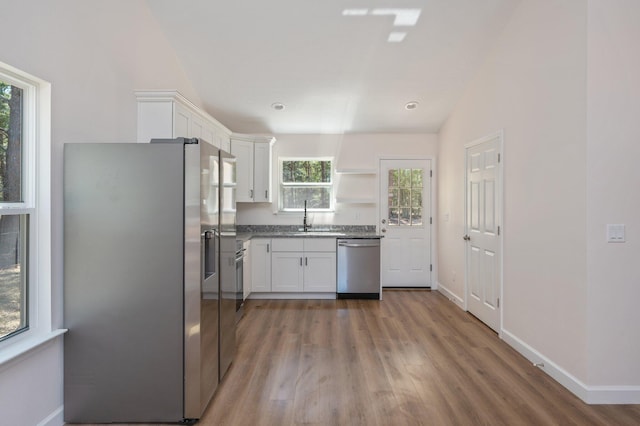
(306, 171)
(393, 177)
(405, 216)
(13, 276)
(10, 143)
(404, 178)
(393, 197)
(316, 197)
(416, 217)
(405, 197)
(393, 217)
(416, 178)
(416, 198)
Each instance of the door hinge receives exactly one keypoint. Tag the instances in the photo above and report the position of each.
(430, 221)
(431, 267)
(498, 302)
(498, 157)
(430, 173)
(498, 230)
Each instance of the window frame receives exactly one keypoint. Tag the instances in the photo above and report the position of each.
(330, 185)
(36, 204)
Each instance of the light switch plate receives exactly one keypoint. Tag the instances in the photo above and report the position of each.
(615, 233)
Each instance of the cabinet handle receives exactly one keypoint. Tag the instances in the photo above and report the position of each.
(300, 261)
(266, 194)
(251, 193)
(305, 261)
(267, 248)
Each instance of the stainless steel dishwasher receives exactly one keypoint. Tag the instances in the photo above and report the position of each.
(358, 268)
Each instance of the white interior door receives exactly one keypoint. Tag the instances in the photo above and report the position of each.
(405, 216)
(482, 237)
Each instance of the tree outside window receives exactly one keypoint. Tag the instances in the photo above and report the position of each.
(13, 227)
(307, 180)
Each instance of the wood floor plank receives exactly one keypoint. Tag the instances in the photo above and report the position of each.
(413, 358)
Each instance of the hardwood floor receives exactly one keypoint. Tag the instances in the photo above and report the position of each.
(412, 359)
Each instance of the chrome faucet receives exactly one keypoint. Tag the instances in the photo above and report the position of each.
(305, 225)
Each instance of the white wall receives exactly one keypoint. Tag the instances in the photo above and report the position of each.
(613, 179)
(533, 86)
(356, 151)
(95, 54)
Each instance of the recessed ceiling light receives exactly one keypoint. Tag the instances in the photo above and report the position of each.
(411, 105)
(278, 106)
(396, 37)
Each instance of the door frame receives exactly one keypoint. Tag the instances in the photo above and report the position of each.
(433, 211)
(500, 195)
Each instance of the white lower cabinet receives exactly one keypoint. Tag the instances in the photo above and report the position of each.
(260, 265)
(320, 272)
(286, 271)
(303, 265)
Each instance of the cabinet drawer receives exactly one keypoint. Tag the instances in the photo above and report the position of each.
(287, 244)
(320, 244)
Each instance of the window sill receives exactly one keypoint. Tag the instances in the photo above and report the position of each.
(18, 348)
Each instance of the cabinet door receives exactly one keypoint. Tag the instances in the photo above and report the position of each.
(243, 152)
(320, 272)
(181, 122)
(197, 126)
(155, 121)
(260, 261)
(225, 143)
(262, 172)
(208, 134)
(286, 271)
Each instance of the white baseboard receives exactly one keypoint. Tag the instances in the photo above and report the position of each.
(450, 295)
(589, 394)
(54, 419)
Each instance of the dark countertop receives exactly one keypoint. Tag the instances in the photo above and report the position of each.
(246, 232)
(244, 236)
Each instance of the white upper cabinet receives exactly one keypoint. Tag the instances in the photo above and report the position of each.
(253, 167)
(168, 114)
(243, 151)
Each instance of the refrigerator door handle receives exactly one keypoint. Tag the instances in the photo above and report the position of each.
(209, 246)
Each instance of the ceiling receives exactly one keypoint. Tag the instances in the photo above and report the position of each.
(334, 73)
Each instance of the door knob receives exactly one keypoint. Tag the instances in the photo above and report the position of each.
(466, 238)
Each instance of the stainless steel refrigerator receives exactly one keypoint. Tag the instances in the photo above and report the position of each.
(149, 279)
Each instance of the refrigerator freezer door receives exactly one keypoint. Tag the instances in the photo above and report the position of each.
(123, 269)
